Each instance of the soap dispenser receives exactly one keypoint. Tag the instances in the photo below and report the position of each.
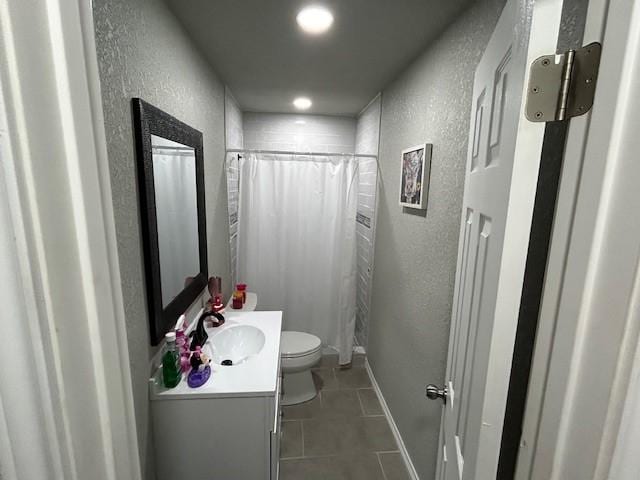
(171, 371)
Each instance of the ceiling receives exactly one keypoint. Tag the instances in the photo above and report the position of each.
(259, 51)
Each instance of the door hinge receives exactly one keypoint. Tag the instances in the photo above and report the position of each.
(563, 86)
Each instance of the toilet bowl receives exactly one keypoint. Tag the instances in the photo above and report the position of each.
(299, 352)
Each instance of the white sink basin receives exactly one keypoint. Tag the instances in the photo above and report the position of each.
(237, 343)
(237, 339)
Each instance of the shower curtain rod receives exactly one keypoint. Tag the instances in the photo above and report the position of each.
(290, 152)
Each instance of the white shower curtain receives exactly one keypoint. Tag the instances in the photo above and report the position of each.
(296, 245)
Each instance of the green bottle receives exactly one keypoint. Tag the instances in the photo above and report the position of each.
(171, 373)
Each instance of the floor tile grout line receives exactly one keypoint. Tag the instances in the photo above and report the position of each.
(294, 458)
(309, 458)
(358, 452)
(384, 474)
(350, 382)
(338, 455)
(302, 436)
(364, 413)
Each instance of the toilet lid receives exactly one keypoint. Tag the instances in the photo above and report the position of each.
(298, 344)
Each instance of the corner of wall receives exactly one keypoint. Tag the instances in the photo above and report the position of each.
(367, 143)
(233, 123)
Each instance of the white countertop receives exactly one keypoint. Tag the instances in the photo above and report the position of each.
(253, 378)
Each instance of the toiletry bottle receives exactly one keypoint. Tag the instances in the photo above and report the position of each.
(182, 349)
(185, 363)
(171, 373)
(215, 289)
(180, 341)
(217, 305)
(237, 300)
(181, 324)
(242, 288)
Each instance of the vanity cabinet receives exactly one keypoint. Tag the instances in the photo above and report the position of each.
(230, 428)
(217, 438)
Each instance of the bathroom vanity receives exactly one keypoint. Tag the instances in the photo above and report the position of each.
(230, 427)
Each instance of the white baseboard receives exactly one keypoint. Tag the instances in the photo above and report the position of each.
(394, 428)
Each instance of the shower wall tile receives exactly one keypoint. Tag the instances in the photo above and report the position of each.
(299, 133)
(232, 206)
(234, 135)
(367, 139)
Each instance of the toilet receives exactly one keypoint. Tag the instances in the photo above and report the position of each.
(299, 352)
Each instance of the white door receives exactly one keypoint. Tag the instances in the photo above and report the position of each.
(502, 166)
(583, 405)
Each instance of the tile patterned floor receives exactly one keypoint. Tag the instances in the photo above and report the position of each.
(342, 434)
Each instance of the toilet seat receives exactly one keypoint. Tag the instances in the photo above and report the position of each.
(298, 344)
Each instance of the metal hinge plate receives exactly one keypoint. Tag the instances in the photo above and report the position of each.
(563, 86)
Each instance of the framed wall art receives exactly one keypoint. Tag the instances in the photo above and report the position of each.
(414, 176)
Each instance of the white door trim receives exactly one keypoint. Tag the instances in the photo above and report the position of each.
(589, 326)
(60, 196)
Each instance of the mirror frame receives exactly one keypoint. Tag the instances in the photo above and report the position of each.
(149, 120)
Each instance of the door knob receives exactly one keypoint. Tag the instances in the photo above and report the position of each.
(434, 392)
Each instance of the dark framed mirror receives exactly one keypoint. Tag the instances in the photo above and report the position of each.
(171, 190)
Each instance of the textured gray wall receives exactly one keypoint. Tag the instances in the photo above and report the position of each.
(234, 127)
(415, 255)
(144, 52)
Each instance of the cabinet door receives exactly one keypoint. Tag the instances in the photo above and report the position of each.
(276, 434)
(275, 455)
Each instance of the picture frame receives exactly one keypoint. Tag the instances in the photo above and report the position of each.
(415, 170)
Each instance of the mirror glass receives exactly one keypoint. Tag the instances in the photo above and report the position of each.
(174, 181)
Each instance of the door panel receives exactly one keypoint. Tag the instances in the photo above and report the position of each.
(485, 200)
(477, 131)
(499, 102)
(475, 323)
(471, 343)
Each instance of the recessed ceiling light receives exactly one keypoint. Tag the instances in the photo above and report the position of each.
(315, 19)
(302, 103)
